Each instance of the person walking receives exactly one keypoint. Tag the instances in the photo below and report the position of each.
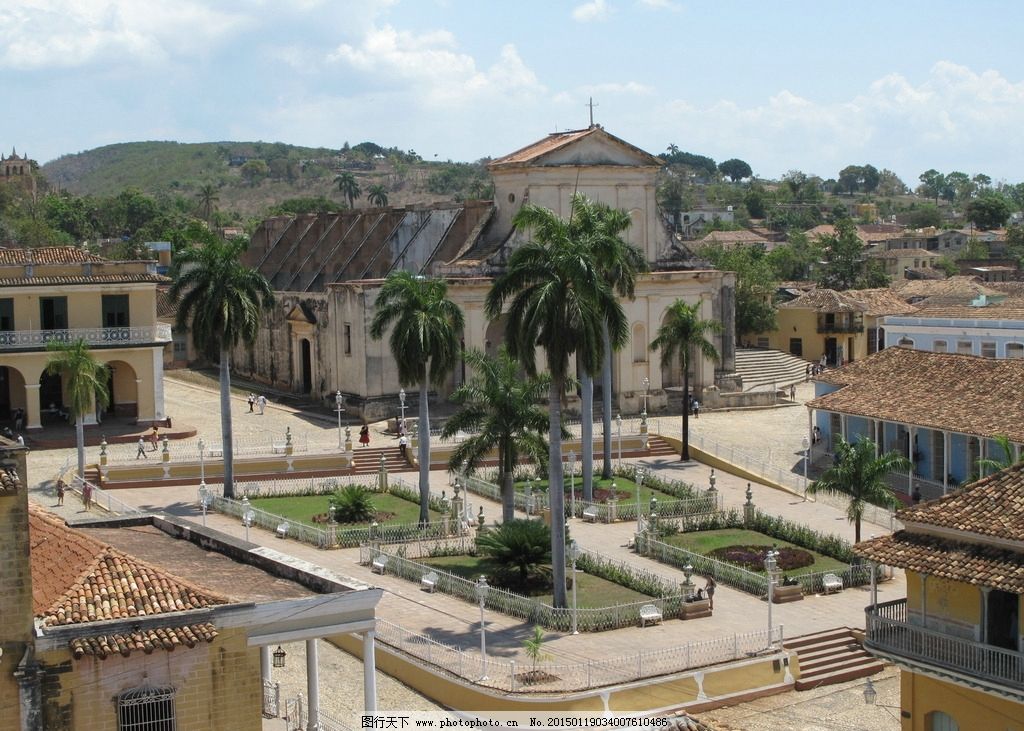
(364, 435)
(252, 401)
(709, 587)
(60, 492)
(142, 449)
(696, 409)
(262, 403)
(154, 438)
(403, 445)
(86, 495)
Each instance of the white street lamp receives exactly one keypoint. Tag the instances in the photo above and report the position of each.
(639, 483)
(572, 483)
(339, 406)
(248, 516)
(618, 421)
(770, 563)
(481, 594)
(401, 405)
(202, 463)
(574, 552)
(647, 386)
(204, 499)
(807, 458)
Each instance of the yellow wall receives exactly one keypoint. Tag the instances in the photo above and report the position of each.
(218, 685)
(803, 324)
(85, 304)
(972, 710)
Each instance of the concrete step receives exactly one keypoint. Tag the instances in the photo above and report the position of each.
(815, 638)
(840, 675)
(832, 656)
(833, 660)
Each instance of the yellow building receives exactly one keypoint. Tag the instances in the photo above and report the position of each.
(959, 634)
(63, 294)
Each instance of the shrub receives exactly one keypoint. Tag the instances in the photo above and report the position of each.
(352, 504)
(752, 557)
(522, 547)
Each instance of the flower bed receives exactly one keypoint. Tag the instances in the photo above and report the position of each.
(752, 557)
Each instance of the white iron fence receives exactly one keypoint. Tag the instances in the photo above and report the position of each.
(30, 339)
(102, 498)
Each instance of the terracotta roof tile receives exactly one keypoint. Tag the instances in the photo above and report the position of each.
(165, 308)
(959, 288)
(557, 140)
(82, 279)
(734, 237)
(160, 638)
(825, 300)
(9, 481)
(880, 301)
(47, 255)
(1009, 309)
(960, 393)
(902, 253)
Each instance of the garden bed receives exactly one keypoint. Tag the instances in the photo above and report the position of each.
(747, 549)
(390, 509)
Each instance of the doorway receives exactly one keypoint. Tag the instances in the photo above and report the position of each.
(1001, 620)
(830, 351)
(307, 367)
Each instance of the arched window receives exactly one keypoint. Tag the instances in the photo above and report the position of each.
(939, 721)
(905, 343)
(146, 709)
(640, 344)
(940, 346)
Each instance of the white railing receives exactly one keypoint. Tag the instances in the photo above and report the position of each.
(630, 427)
(888, 631)
(267, 444)
(103, 499)
(547, 677)
(14, 339)
(723, 572)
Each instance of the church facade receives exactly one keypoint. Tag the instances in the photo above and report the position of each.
(327, 270)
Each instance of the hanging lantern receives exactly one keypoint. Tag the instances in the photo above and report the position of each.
(279, 655)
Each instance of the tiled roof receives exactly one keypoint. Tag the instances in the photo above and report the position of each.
(880, 301)
(969, 563)
(76, 580)
(901, 253)
(734, 237)
(864, 233)
(47, 255)
(1009, 309)
(165, 308)
(958, 288)
(9, 481)
(160, 638)
(824, 300)
(960, 393)
(1014, 289)
(557, 140)
(81, 279)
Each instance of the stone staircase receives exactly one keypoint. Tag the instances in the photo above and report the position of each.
(762, 368)
(367, 460)
(832, 656)
(658, 447)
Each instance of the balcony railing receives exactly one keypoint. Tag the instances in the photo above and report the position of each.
(889, 633)
(38, 339)
(840, 326)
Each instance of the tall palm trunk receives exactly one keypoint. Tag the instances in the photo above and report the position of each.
(606, 400)
(587, 436)
(80, 443)
(424, 457)
(508, 490)
(685, 450)
(556, 492)
(227, 447)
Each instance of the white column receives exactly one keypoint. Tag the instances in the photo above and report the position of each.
(265, 663)
(911, 433)
(32, 407)
(842, 427)
(369, 673)
(313, 685)
(158, 383)
(945, 461)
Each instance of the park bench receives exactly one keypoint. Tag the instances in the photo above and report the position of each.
(830, 583)
(279, 448)
(282, 530)
(649, 613)
(429, 581)
(379, 564)
(590, 514)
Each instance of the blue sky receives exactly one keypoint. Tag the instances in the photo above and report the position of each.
(812, 86)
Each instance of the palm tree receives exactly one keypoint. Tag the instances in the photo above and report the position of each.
(558, 301)
(85, 385)
(208, 199)
(219, 300)
(683, 331)
(502, 409)
(349, 187)
(994, 465)
(425, 343)
(859, 475)
(377, 195)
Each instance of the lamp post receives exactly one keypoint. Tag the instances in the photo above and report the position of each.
(639, 483)
(401, 405)
(618, 422)
(202, 464)
(647, 386)
(248, 516)
(807, 458)
(770, 562)
(481, 594)
(339, 406)
(572, 485)
(574, 552)
(204, 500)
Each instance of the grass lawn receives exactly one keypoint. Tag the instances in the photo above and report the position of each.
(625, 488)
(704, 542)
(302, 508)
(591, 591)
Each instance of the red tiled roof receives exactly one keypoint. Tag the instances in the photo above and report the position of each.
(959, 393)
(880, 301)
(959, 288)
(902, 253)
(47, 255)
(9, 481)
(558, 140)
(160, 638)
(824, 300)
(1009, 309)
(82, 279)
(734, 237)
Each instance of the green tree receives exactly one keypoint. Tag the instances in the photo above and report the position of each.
(925, 216)
(794, 260)
(756, 200)
(860, 476)
(219, 301)
(947, 266)
(521, 547)
(208, 199)
(890, 184)
(253, 171)
(735, 169)
(850, 178)
(84, 385)
(377, 195)
(988, 211)
(932, 184)
(502, 411)
(558, 301)
(975, 249)
(425, 341)
(533, 646)
(959, 187)
(845, 265)
(682, 333)
(349, 187)
(755, 285)
(352, 504)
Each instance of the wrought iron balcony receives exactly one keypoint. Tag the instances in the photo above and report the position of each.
(94, 336)
(889, 634)
(840, 326)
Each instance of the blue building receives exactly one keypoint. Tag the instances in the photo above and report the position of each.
(994, 329)
(943, 411)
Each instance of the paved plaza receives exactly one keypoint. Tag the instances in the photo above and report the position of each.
(457, 622)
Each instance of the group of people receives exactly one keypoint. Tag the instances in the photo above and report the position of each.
(154, 440)
(257, 401)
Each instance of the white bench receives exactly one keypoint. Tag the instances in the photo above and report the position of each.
(282, 530)
(830, 583)
(279, 448)
(649, 613)
(429, 582)
(590, 515)
(379, 564)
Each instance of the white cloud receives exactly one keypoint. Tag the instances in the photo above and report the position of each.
(68, 33)
(591, 11)
(661, 4)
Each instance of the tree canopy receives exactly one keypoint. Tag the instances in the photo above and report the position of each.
(988, 211)
(735, 169)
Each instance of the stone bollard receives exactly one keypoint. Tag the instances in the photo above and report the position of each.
(382, 476)
(288, 448)
(103, 451)
(643, 429)
(166, 456)
(748, 507)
